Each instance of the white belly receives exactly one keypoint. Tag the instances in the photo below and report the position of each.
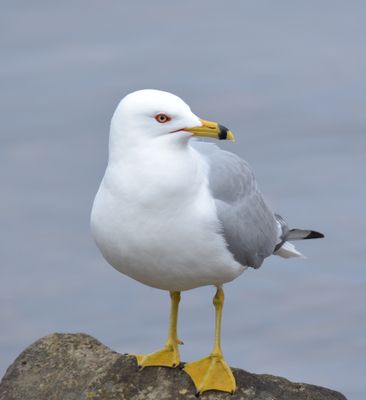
(171, 245)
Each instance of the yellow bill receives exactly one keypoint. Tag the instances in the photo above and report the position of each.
(212, 130)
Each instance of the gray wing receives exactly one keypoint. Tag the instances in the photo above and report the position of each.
(249, 226)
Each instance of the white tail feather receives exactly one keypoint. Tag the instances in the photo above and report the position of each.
(288, 250)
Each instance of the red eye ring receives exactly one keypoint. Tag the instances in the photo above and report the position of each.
(162, 118)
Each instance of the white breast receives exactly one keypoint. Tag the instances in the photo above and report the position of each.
(154, 220)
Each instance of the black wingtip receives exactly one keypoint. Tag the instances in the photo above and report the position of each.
(314, 235)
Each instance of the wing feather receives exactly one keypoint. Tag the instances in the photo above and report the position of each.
(249, 226)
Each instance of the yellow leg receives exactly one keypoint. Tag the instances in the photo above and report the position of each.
(168, 356)
(212, 372)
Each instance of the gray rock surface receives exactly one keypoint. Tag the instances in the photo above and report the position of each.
(78, 367)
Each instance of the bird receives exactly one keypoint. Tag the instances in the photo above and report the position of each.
(176, 213)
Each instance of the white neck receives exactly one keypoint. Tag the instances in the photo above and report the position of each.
(124, 140)
(164, 166)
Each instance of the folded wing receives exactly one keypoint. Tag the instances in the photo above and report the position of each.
(249, 226)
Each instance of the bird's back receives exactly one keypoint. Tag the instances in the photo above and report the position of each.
(249, 226)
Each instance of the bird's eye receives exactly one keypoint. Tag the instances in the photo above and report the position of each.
(162, 118)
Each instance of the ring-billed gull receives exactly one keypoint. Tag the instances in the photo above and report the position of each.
(176, 214)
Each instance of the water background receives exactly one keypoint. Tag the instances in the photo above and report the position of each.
(287, 77)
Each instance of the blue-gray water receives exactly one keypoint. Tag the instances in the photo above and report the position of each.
(287, 77)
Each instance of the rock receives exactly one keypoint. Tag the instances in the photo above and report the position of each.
(78, 367)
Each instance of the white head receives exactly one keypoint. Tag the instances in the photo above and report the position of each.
(151, 114)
